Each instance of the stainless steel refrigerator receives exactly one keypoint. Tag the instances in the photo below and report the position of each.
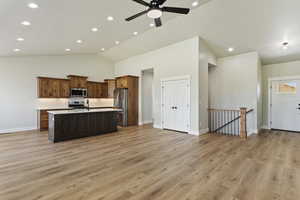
(121, 102)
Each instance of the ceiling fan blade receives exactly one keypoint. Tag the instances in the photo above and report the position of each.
(161, 2)
(137, 15)
(157, 22)
(142, 2)
(176, 10)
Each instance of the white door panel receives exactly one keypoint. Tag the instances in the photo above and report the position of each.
(285, 106)
(176, 105)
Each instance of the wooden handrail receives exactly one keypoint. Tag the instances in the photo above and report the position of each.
(214, 109)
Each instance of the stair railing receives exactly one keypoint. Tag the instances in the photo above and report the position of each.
(228, 122)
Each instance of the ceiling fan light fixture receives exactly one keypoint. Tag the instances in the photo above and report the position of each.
(154, 13)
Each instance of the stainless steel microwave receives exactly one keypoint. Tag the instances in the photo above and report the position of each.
(78, 92)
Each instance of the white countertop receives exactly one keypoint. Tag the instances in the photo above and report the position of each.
(78, 111)
(68, 108)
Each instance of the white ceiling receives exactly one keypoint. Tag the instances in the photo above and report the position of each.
(57, 24)
(246, 25)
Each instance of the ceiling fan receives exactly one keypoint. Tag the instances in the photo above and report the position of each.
(155, 10)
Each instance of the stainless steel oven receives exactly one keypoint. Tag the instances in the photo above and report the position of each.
(78, 92)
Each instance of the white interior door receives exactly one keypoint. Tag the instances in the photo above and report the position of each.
(285, 105)
(176, 105)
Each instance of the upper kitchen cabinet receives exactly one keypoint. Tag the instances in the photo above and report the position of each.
(97, 89)
(122, 82)
(60, 88)
(64, 88)
(111, 86)
(53, 88)
(78, 81)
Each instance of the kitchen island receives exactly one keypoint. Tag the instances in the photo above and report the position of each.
(73, 124)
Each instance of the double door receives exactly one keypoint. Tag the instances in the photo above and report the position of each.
(176, 105)
(285, 105)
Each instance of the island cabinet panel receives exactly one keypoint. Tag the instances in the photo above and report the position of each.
(53, 88)
(72, 126)
(111, 86)
(106, 122)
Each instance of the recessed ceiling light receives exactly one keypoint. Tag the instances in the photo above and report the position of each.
(79, 41)
(33, 5)
(117, 42)
(135, 33)
(231, 49)
(151, 25)
(20, 39)
(110, 18)
(94, 29)
(285, 45)
(103, 49)
(17, 50)
(26, 23)
(195, 3)
(67, 49)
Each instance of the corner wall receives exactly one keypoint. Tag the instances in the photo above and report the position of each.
(233, 84)
(178, 59)
(206, 57)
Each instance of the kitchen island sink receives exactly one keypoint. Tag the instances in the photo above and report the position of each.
(73, 124)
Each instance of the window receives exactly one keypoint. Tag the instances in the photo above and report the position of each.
(287, 87)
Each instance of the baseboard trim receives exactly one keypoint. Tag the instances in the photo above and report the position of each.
(157, 126)
(265, 127)
(14, 130)
(200, 132)
(147, 122)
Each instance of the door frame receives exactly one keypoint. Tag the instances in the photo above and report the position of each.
(270, 80)
(176, 78)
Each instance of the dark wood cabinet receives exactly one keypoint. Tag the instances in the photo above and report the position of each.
(78, 81)
(122, 82)
(97, 89)
(111, 86)
(104, 90)
(71, 126)
(53, 88)
(132, 84)
(43, 120)
(64, 89)
(60, 88)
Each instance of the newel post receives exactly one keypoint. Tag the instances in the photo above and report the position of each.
(243, 122)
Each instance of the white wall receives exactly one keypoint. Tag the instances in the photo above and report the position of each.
(175, 60)
(205, 57)
(147, 96)
(276, 70)
(233, 84)
(18, 84)
(259, 96)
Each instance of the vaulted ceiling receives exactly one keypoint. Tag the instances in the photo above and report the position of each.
(245, 25)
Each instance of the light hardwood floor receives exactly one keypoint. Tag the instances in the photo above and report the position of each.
(141, 163)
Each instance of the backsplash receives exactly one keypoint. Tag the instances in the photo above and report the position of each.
(63, 103)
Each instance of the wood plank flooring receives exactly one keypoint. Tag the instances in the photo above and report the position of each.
(141, 163)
